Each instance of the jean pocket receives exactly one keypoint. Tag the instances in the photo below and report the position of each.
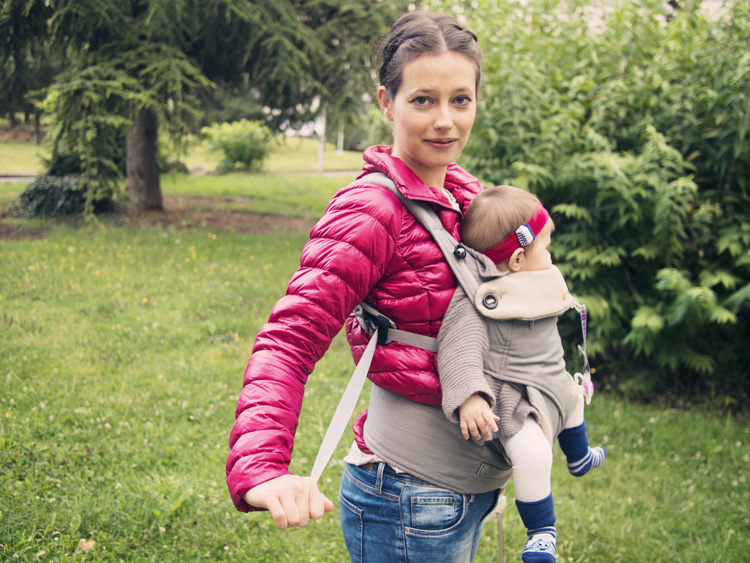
(352, 528)
(432, 511)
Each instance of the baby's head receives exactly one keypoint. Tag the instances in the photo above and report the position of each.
(511, 227)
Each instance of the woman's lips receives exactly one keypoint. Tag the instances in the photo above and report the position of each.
(441, 143)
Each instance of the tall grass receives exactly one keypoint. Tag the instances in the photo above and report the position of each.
(121, 358)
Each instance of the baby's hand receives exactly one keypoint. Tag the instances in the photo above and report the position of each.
(477, 418)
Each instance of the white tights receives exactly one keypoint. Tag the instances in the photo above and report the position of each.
(531, 456)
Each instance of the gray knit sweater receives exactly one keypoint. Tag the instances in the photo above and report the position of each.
(514, 360)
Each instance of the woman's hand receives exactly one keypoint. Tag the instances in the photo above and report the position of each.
(292, 500)
(477, 418)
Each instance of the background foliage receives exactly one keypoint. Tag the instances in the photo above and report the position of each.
(245, 144)
(631, 125)
(61, 196)
(629, 120)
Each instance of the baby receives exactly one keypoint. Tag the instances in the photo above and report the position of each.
(503, 371)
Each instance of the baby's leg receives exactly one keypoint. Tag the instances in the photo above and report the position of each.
(531, 456)
(575, 418)
(574, 442)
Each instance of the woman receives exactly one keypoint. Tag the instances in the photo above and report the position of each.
(413, 489)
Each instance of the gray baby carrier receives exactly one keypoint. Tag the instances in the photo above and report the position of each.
(484, 293)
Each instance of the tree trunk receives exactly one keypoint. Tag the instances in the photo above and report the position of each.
(142, 165)
(321, 139)
(38, 127)
(340, 140)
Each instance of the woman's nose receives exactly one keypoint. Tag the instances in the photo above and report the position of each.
(443, 119)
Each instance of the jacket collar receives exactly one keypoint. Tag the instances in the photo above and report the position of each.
(462, 185)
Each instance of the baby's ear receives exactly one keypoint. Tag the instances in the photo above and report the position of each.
(517, 260)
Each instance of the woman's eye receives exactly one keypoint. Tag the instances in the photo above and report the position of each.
(463, 100)
(421, 101)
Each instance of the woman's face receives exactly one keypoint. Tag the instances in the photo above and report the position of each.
(432, 113)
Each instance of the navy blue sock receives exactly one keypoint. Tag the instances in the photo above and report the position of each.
(574, 442)
(539, 519)
(537, 514)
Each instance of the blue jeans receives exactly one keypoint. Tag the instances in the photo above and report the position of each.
(390, 517)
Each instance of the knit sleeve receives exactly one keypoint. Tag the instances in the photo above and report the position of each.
(462, 345)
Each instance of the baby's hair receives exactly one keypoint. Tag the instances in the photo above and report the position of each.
(494, 214)
(417, 34)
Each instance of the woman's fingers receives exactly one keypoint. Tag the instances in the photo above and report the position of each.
(319, 504)
(298, 513)
(291, 500)
(279, 513)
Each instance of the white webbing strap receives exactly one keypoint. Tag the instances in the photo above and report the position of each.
(429, 219)
(412, 339)
(344, 410)
(371, 319)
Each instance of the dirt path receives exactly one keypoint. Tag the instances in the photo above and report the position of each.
(188, 213)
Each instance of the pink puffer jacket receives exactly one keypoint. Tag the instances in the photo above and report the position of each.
(367, 246)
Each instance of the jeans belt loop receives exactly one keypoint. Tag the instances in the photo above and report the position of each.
(380, 477)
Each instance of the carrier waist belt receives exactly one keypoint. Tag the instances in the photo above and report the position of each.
(420, 440)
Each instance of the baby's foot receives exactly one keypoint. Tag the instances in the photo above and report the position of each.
(594, 458)
(540, 548)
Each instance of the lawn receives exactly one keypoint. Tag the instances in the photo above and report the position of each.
(121, 359)
(293, 154)
(22, 159)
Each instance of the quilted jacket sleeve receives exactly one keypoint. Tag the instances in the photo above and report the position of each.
(344, 259)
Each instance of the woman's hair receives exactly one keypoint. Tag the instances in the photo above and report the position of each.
(494, 214)
(417, 34)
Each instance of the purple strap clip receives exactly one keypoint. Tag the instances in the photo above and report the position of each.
(584, 379)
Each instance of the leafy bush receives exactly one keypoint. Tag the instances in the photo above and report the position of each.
(631, 125)
(64, 163)
(246, 144)
(53, 196)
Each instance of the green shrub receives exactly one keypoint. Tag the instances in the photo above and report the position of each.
(55, 196)
(245, 144)
(64, 164)
(631, 125)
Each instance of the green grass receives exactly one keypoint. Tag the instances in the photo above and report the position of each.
(293, 155)
(121, 359)
(298, 195)
(9, 191)
(298, 154)
(22, 159)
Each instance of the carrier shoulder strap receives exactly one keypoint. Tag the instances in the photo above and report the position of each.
(382, 329)
(454, 252)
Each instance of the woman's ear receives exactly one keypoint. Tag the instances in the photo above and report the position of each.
(517, 260)
(384, 101)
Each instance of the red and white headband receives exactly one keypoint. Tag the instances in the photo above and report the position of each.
(522, 236)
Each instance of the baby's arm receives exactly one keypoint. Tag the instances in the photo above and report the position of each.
(462, 345)
(476, 418)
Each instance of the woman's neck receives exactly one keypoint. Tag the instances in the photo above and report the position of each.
(432, 176)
